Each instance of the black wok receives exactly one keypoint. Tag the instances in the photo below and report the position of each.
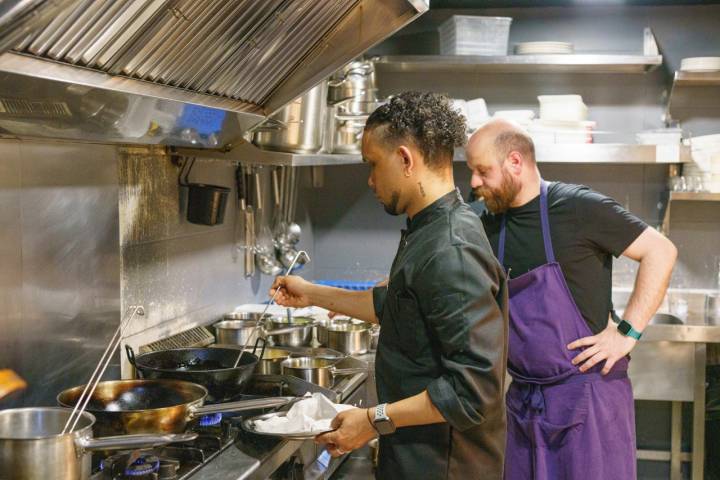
(213, 368)
(153, 406)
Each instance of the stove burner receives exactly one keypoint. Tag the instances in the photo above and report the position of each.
(144, 465)
(210, 420)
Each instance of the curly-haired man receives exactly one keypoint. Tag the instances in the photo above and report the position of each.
(440, 361)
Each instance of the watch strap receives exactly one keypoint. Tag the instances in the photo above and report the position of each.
(625, 327)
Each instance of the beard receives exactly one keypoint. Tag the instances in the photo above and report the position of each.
(392, 207)
(498, 200)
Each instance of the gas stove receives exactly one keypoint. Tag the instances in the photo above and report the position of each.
(223, 451)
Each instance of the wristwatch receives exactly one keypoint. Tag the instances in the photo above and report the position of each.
(625, 327)
(382, 423)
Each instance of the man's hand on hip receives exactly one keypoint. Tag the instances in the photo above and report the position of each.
(609, 345)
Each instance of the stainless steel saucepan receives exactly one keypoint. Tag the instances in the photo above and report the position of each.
(350, 336)
(320, 371)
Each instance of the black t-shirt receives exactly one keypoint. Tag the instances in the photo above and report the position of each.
(587, 229)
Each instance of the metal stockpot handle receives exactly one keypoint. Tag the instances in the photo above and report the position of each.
(241, 405)
(282, 331)
(347, 371)
(132, 442)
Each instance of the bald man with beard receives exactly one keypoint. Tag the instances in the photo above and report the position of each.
(570, 405)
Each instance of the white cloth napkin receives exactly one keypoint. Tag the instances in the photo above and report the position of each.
(314, 414)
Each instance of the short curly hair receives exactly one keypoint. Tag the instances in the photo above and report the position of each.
(426, 119)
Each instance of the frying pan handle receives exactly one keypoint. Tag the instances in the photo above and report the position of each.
(264, 344)
(132, 442)
(240, 406)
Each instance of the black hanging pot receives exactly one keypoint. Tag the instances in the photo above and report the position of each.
(206, 203)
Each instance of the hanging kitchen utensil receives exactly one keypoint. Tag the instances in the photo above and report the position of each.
(239, 213)
(249, 225)
(206, 203)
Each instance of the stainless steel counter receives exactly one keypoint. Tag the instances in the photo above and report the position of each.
(681, 333)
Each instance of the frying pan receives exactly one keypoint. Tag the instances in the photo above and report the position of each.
(154, 406)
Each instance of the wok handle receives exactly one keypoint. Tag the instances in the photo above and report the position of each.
(264, 344)
(241, 405)
(131, 358)
(132, 442)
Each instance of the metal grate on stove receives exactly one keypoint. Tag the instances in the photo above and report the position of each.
(195, 337)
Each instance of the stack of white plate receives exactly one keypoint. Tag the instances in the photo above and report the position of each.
(544, 48)
(700, 64)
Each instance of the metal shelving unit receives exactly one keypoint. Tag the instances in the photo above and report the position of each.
(686, 197)
(688, 90)
(649, 60)
(581, 153)
(577, 63)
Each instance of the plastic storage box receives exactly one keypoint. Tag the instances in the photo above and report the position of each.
(471, 35)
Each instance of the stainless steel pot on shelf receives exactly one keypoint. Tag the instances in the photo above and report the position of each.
(355, 80)
(297, 127)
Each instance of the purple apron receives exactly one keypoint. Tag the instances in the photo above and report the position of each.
(562, 424)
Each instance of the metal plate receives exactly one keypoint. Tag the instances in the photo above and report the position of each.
(249, 426)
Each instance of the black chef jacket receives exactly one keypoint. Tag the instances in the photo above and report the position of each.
(444, 329)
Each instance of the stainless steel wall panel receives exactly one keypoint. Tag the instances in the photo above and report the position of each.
(184, 274)
(65, 272)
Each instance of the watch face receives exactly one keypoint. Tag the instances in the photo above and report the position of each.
(384, 427)
(624, 327)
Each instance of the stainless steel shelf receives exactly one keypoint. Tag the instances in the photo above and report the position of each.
(685, 197)
(577, 63)
(695, 196)
(697, 79)
(694, 90)
(610, 153)
(591, 153)
(649, 60)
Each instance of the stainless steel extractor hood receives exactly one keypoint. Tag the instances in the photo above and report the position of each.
(176, 72)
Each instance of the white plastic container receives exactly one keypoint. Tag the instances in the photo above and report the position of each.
(661, 136)
(562, 108)
(473, 35)
(477, 113)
